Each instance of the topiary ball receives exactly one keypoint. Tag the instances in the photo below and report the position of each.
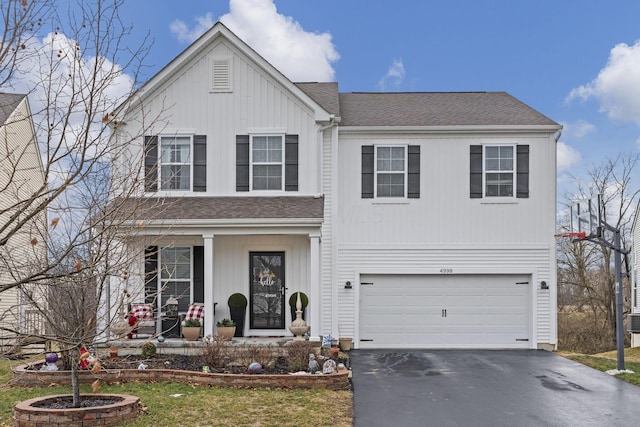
(51, 357)
(255, 368)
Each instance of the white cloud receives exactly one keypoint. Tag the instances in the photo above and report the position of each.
(566, 156)
(578, 129)
(394, 76)
(186, 35)
(301, 55)
(617, 86)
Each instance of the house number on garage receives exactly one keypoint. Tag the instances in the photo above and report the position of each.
(446, 271)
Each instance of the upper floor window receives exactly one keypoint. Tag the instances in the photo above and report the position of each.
(175, 163)
(499, 169)
(267, 162)
(391, 171)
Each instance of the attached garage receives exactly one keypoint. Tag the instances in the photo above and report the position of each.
(445, 311)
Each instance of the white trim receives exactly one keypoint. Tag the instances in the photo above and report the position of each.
(405, 173)
(513, 171)
(455, 129)
(209, 253)
(252, 164)
(177, 191)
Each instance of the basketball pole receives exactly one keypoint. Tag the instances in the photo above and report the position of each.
(617, 248)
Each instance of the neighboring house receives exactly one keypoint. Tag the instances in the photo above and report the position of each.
(21, 177)
(409, 219)
(633, 320)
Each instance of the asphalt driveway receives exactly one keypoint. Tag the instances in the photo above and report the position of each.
(476, 388)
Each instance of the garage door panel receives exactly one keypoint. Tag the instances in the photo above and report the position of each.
(436, 311)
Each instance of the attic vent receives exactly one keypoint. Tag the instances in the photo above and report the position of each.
(221, 74)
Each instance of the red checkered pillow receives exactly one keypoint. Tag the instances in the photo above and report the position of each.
(142, 311)
(196, 311)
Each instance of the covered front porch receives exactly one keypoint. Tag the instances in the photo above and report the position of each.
(206, 260)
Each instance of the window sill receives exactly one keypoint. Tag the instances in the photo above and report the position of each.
(498, 201)
(390, 201)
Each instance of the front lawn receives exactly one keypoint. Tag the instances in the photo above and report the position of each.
(608, 361)
(184, 404)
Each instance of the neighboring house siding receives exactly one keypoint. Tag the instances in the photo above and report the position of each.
(328, 282)
(19, 156)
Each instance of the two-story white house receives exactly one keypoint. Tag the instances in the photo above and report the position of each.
(21, 234)
(409, 219)
(633, 320)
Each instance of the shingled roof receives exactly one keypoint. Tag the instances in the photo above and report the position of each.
(215, 208)
(437, 109)
(325, 94)
(8, 103)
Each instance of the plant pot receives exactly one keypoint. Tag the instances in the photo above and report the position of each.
(226, 332)
(113, 352)
(345, 343)
(237, 315)
(191, 333)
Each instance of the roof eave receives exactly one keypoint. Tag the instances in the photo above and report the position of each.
(464, 129)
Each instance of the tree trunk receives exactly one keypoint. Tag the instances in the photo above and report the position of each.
(75, 385)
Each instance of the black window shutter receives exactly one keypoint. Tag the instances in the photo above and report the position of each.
(150, 275)
(151, 163)
(414, 172)
(291, 163)
(200, 163)
(198, 274)
(475, 167)
(367, 171)
(522, 173)
(242, 162)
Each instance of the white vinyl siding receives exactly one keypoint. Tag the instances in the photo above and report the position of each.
(175, 163)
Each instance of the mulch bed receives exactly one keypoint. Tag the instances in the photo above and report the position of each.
(186, 363)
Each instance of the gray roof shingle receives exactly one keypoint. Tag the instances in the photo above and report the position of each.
(325, 94)
(8, 103)
(215, 208)
(437, 109)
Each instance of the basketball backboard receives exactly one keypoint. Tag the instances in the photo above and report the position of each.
(585, 216)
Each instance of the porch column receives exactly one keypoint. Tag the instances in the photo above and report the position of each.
(314, 286)
(209, 321)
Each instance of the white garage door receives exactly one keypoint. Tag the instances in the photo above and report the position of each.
(445, 311)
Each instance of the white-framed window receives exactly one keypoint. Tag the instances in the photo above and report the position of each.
(391, 171)
(176, 276)
(499, 170)
(267, 162)
(176, 163)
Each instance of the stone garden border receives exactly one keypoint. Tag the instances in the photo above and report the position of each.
(23, 376)
(28, 414)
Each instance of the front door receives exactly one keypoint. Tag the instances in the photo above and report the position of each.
(266, 278)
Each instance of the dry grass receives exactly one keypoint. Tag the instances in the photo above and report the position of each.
(206, 406)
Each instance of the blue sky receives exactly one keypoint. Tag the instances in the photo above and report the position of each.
(576, 61)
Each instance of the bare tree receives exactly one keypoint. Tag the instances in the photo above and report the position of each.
(77, 67)
(586, 280)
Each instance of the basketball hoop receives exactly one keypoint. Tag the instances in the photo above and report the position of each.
(573, 235)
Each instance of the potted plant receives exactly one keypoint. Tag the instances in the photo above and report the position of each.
(191, 329)
(226, 328)
(292, 303)
(238, 309)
